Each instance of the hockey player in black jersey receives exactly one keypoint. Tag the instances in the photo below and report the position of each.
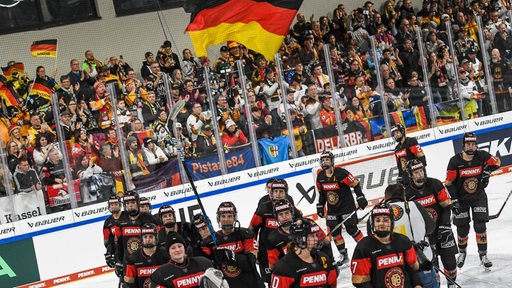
(145, 261)
(130, 224)
(406, 149)
(279, 238)
(201, 232)
(384, 259)
(304, 265)
(235, 251)
(145, 205)
(467, 176)
(167, 217)
(263, 222)
(181, 271)
(111, 230)
(433, 196)
(334, 189)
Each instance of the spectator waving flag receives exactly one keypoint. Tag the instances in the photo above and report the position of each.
(44, 48)
(260, 25)
(14, 70)
(42, 88)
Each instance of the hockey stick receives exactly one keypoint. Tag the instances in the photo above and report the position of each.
(206, 218)
(495, 216)
(448, 278)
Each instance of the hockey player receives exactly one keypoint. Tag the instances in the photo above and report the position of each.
(333, 186)
(167, 217)
(130, 224)
(145, 205)
(144, 261)
(432, 195)
(236, 250)
(263, 222)
(384, 258)
(202, 232)
(111, 230)
(181, 271)
(268, 187)
(406, 149)
(304, 265)
(413, 221)
(467, 176)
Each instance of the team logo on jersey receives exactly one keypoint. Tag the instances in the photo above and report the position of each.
(433, 213)
(133, 244)
(394, 278)
(230, 271)
(398, 212)
(333, 198)
(470, 185)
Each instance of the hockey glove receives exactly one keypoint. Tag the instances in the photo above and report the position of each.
(111, 261)
(362, 202)
(119, 269)
(320, 210)
(223, 255)
(455, 206)
(484, 181)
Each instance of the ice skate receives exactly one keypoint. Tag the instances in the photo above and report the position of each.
(484, 261)
(342, 258)
(461, 258)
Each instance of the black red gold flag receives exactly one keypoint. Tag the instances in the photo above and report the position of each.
(41, 88)
(9, 95)
(13, 69)
(260, 25)
(44, 48)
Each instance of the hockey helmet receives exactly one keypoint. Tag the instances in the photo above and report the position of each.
(131, 196)
(326, 154)
(145, 201)
(199, 221)
(278, 184)
(227, 207)
(413, 165)
(148, 228)
(114, 199)
(381, 209)
(165, 209)
(299, 231)
(468, 137)
(400, 128)
(283, 205)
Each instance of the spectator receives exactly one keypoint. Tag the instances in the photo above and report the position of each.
(124, 116)
(319, 78)
(66, 90)
(78, 76)
(410, 57)
(14, 154)
(232, 135)
(224, 112)
(67, 126)
(312, 108)
(191, 93)
(205, 143)
(196, 120)
(359, 111)
(503, 41)
(502, 80)
(109, 158)
(101, 107)
(25, 177)
(87, 118)
(138, 130)
(468, 93)
(91, 66)
(189, 64)
(155, 82)
(15, 136)
(112, 138)
(43, 145)
(395, 98)
(53, 168)
(261, 124)
(151, 109)
(86, 167)
(136, 158)
(167, 59)
(36, 127)
(154, 155)
(299, 130)
(327, 116)
(85, 145)
(177, 77)
(145, 70)
(118, 67)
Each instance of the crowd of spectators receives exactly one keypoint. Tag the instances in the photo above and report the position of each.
(162, 107)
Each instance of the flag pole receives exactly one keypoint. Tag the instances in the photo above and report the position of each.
(56, 56)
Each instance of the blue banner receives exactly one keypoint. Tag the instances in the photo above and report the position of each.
(166, 176)
(207, 167)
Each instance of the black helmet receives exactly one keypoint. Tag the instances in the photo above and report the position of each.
(132, 196)
(164, 210)
(278, 184)
(199, 220)
(398, 127)
(283, 205)
(381, 209)
(327, 154)
(148, 228)
(227, 207)
(299, 231)
(468, 137)
(413, 165)
(145, 201)
(113, 199)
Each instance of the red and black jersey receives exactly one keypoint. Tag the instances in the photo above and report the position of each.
(129, 239)
(384, 265)
(431, 196)
(140, 266)
(242, 242)
(404, 152)
(111, 233)
(277, 242)
(292, 271)
(187, 275)
(466, 175)
(335, 191)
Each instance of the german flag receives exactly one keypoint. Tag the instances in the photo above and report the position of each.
(44, 48)
(16, 68)
(9, 95)
(260, 25)
(42, 88)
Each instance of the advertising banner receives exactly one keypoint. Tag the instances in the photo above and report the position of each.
(208, 167)
(17, 265)
(166, 176)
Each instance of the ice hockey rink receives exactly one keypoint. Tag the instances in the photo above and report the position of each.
(472, 275)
